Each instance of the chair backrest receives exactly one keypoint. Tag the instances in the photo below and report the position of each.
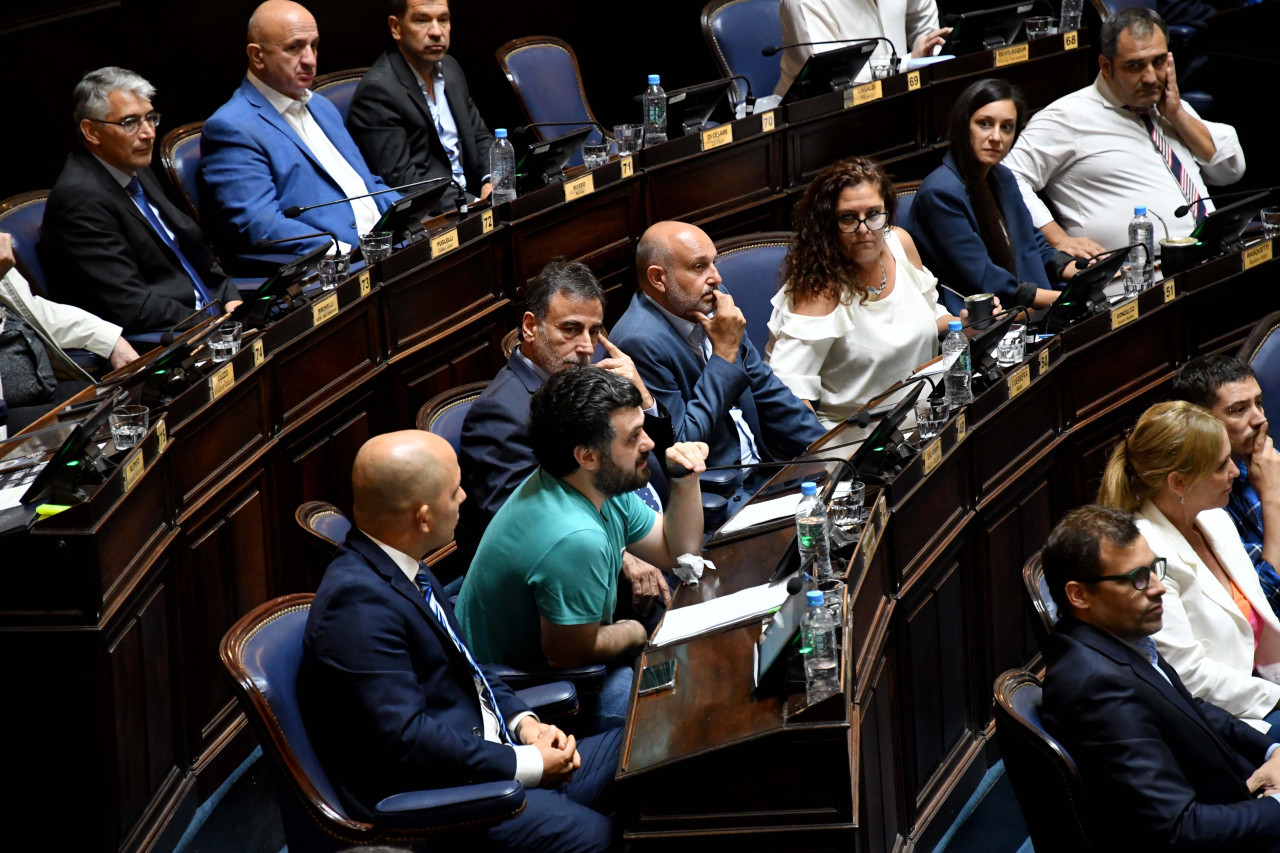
(1042, 603)
(263, 653)
(751, 267)
(906, 192)
(324, 521)
(544, 73)
(1044, 777)
(443, 414)
(1262, 351)
(20, 216)
(736, 31)
(180, 156)
(338, 87)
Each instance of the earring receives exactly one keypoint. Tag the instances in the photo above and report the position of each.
(1181, 499)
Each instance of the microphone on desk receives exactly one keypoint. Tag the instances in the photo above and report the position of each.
(749, 102)
(895, 61)
(297, 210)
(1184, 209)
(675, 471)
(1081, 263)
(862, 417)
(337, 250)
(521, 133)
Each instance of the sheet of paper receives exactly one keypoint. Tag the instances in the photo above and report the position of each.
(9, 498)
(761, 513)
(685, 622)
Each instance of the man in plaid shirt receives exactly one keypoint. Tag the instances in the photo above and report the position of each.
(1227, 387)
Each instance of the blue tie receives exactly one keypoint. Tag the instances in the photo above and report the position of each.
(140, 198)
(434, 606)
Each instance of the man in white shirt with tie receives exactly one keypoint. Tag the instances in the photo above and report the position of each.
(276, 145)
(1125, 141)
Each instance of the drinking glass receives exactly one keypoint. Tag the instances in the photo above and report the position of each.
(128, 425)
(930, 417)
(225, 342)
(334, 271)
(1012, 346)
(375, 246)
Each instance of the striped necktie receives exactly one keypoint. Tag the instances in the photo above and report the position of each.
(434, 606)
(1186, 183)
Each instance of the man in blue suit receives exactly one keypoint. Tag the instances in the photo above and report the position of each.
(686, 337)
(393, 699)
(1174, 773)
(275, 145)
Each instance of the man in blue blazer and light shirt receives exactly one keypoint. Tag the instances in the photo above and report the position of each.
(392, 697)
(276, 145)
(687, 338)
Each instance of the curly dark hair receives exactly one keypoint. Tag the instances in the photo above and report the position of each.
(816, 265)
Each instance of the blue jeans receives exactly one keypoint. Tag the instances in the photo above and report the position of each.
(608, 709)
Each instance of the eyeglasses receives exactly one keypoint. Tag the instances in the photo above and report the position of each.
(131, 124)
(848, 223)
(1139, 577)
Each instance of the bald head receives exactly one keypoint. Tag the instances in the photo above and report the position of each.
(675, 262)
(406, 490)
(283, 46)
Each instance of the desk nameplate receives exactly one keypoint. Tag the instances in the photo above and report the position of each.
(1255, 255)
(1019, 380)
(1013, 54)
(221, 381)
(444, 242)
(864, 94)
(1124, 315)
(324, 310)
(133, 468)
(583, 186)
(717, 136)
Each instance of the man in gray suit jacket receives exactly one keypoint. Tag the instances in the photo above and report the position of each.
(412, 114)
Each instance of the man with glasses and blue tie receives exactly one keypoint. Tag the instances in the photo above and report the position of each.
(112, 243)
(391, 694)
(1173, 772)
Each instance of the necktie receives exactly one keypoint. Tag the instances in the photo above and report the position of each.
(1186, 182)
(140, 197)
(436, 610)
(1148, 647)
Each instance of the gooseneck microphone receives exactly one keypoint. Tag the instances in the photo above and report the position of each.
(675, 471)
(894, 59)
(297, 210)
(262, 244)
(1183, 209)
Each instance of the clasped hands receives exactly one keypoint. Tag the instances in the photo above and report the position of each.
(559, 751)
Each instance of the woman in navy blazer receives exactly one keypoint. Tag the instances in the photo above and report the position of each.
(970, 223)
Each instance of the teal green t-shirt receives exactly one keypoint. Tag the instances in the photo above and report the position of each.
(547, 553)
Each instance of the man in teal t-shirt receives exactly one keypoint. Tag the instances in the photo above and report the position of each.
(541, 590)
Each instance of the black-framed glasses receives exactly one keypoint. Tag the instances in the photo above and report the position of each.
(130, 124)
(1139, 577)
(848, 223)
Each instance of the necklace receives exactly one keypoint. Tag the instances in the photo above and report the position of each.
(874, 292)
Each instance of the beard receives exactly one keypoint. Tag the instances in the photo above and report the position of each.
(612, 479)
(546, 357)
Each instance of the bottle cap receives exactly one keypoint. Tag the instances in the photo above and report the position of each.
(807, 488)
(500, 133)
(655, 80)
(955, 326)
(814, 597)
(1139, 211)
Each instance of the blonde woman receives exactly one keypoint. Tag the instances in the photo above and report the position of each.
(1174, 471)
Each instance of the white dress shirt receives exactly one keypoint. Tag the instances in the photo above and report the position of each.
(1095, 161)
(900, 21)
(1205, 637)
(844, 358)
(299, 118)
(528, 759)
(696, 337)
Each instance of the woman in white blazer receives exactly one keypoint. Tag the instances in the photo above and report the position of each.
(1174, 471)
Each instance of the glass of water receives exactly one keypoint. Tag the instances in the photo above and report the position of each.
(225, 342)
(595, 155)
(931, 415)
(1271, 221)
(628, 137)
(334, 271)
(846, 513)
(128, 425)
(1012, 347)
(375, 246)
(880, 69)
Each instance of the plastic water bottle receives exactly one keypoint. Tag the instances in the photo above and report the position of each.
(502, 167)
(1141, 266)
(960, 372)
(1070, 19)
(821, 662)
(811, 534)
(655, 112)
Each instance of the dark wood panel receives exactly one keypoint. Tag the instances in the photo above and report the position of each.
(702, 188)
(879, 808)
(603, 227)
(339, 356)
(471, 355)
(881, 129)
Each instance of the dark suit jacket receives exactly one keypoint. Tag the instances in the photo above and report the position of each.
(391, 122)
(102, 254)
(253, 167)
(1166, 770)
(387, 698)
(496, 454)
(945, 228)
(699, 398)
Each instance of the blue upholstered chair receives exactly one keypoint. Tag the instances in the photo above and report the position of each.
(1045, 779)
(1262, 351)
(751, 267)
(20, 216)
(263, 652)
(544, 73)
(180, 156)
(906, 192)
(444, 413)
(1042, 603)
(339, 87)
(736, 31)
